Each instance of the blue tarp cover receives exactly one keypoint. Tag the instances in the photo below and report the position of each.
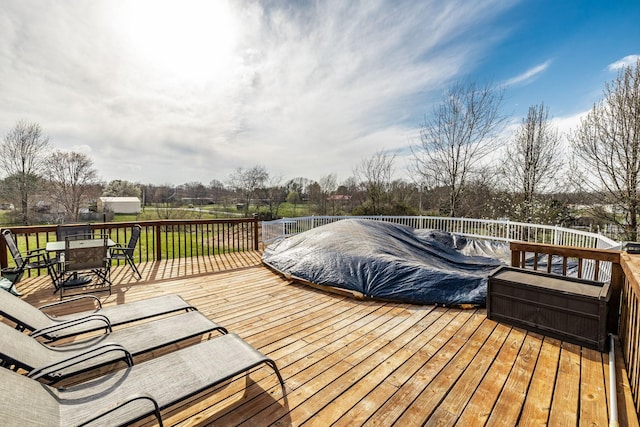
(390, 261)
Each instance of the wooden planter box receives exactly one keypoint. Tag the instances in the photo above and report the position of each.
(566, 308)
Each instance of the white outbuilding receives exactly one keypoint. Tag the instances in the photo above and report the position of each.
(125, 205)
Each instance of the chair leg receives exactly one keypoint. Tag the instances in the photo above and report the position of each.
(134, 267)
(103, 275)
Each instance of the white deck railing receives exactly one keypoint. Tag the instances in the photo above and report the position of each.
(502, 230)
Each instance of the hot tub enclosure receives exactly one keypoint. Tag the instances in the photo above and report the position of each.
(390, 262)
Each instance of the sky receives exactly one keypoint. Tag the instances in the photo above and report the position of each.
(170, 92)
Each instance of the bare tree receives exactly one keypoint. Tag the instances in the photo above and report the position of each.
(607, 143)
(218, 192)
(70, 176)
(457, 136)
(247, 182)
(533, 159)
(297, 191)
(272, 195)
(328, 185)
(293, 197)
(22, 155)
(299, 185)
(196, 192)
(166, 202)
(374, 174)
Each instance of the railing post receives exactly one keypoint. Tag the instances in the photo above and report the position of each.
(158, 235)
(255, 233)
(4, 261)
(617, 283)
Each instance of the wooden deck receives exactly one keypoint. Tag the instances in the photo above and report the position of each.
(347, 362)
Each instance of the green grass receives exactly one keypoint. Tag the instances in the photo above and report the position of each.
(288, 210)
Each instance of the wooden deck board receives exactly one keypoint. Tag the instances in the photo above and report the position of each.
(347, 362)
(457, 398)
(564, 408)
(538, 404)
(593, 392)
(435, 392)
(395, 407)
(507, 409)
(481, 405)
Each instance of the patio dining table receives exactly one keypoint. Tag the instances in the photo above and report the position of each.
(59, 246)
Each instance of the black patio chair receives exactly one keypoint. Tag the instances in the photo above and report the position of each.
(86, 264)
(125, 253)
(33, 259)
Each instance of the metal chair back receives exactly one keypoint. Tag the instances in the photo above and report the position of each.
(83, 255)
(125, 253)
(74, 232)
(133, 241)
(13, 248)
(32, 259)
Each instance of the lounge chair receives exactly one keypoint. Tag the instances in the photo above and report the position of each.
(39, 324)
(130, 394)
(19, 351)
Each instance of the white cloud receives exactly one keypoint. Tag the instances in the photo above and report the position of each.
(528, 75)
(308, 88)
(568, 124)
(627, 61)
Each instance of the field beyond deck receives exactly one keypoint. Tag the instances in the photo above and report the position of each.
(347, 362)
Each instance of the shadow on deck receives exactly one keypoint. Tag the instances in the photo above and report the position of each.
(348, 362)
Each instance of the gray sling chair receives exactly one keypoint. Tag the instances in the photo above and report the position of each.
(74, 232)
(32, 259)
(125, 253)
(18, 351)
(39, 324)
(86, 266)
(131, 394)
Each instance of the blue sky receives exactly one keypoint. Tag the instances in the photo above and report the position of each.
(177, 91)
(576, 40)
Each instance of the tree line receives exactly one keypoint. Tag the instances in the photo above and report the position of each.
(466, 163)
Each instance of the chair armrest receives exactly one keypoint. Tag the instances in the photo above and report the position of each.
(51, 369)
(37, 255)
(36, 251)
(118, 249)
(73, 322)
(131, 399)
(58, 303)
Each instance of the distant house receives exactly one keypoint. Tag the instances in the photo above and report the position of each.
(126, 205)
